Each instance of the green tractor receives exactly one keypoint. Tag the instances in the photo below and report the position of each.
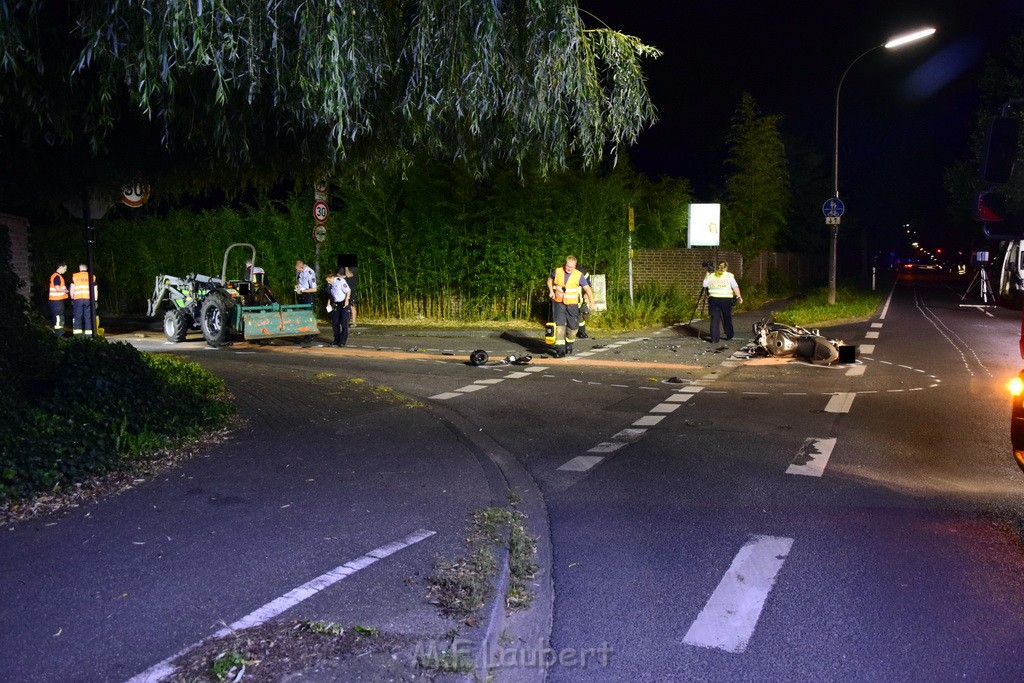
(225, 310)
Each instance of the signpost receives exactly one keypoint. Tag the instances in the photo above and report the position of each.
(833, 208)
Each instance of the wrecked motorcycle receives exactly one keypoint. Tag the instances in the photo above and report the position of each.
(779, 339)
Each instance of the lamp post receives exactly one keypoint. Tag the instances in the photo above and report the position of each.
(895, 42)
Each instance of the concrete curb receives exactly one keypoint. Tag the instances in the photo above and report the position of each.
(530, 627)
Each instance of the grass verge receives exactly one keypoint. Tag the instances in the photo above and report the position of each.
(461, 587)
(814, 310)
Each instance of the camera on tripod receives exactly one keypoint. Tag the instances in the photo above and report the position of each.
(708, 265)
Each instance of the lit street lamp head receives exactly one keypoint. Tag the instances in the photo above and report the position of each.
(909, 37)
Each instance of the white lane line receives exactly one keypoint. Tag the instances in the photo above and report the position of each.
(840, 403)
(517, 375)
(629, 435)
(619, 386)
(581, 463)
(490, 381)
(469, 388)
(164, 669)
(876, 324)
(888, 300)
(856, 371)
(728, 619)
(812, 457)
(606, 447)
(648, 420)
(867, 349)
(537, 368)
(871, 335)
(664, 407)
(445, 396)
(678, 398)
(907, 367)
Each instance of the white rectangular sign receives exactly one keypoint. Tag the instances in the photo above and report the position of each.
(599, 287)
(704, 228)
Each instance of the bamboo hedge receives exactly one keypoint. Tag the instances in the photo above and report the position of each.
(431, 242)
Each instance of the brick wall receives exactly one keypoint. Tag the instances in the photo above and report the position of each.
(17, 228)
(682, 267)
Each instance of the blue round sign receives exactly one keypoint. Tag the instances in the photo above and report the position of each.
(833, 208)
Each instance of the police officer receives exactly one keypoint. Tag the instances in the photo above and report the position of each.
(723, 292)
(81, 320)
(339, 307)
(58, 297)
(565, 286)
(305, 289)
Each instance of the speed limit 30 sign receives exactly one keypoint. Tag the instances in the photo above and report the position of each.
(320, 211)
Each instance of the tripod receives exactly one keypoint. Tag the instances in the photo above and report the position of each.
(984, 290)
(701, 303)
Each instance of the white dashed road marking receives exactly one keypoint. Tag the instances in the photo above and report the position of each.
(812, 457)
(867, 349)
(728, 619)
(581, 463)
(840, 403)
(871, 335)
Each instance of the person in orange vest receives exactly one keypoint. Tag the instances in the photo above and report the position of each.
(58, 297)
(80, 318)
(566, 284)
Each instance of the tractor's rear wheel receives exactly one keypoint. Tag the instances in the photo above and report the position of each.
(214, 319)
(176, 325)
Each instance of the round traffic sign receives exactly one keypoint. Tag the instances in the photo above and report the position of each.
(319, 233)
(320, 211)
(135, 194)
(833, 207)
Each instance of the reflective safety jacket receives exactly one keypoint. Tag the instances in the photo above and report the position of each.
(58, 287)
(720, 286)
(567, 286)
(80, 285)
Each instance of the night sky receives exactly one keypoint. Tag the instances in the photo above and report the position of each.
(904, 114)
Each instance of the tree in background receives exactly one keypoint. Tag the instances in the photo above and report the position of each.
(236, 93)
(757, 191)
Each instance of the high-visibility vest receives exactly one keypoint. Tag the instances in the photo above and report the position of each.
(80, 285)
(567, 286)
(720, 285)
(58, 288)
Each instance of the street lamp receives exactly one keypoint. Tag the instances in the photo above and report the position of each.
(895, 42)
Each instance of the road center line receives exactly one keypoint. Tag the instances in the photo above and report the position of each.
(159, 672)
(728, 619)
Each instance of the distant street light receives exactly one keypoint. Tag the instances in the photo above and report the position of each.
(899, 40)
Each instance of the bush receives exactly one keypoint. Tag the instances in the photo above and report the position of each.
(108, 405)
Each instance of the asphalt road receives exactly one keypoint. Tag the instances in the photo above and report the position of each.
(711, 517)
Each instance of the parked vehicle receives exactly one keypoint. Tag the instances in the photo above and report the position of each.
(226, 309)
(1005, 221)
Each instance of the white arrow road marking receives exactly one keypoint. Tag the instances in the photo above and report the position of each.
(812, 457)
(728, 619)
(840, 403)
